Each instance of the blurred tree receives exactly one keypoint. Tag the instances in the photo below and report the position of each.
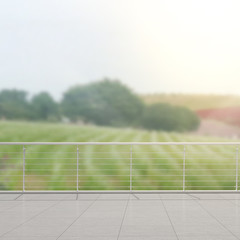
(162, 116)
(187, 119)
(44, 107)
(14, 105)
(106, 102)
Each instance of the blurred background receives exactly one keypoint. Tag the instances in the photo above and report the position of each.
(102, 70)
(158, 65)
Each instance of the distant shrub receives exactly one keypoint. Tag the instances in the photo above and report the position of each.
(44, 107)
(14, 105)
(105, 102)
(162, 116)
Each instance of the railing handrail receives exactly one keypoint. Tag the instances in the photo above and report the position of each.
(119, 143)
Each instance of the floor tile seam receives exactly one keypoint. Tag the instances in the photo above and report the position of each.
(18, 196)
(124, 215)
(222, 199)
(217, 220)
(90, 205)
(169, 218)
(21, 224)
(236, 204)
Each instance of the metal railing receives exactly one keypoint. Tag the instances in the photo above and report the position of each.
(119, 166)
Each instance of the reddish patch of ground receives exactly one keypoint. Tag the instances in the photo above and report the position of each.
(218, 129)
(226, 115)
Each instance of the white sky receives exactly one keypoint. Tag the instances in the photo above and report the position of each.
(151, 45)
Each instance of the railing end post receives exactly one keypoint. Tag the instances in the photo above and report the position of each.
(237, 167)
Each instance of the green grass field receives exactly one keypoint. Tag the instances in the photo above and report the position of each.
(107, 167)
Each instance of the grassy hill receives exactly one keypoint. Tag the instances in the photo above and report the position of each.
(195, 101)
(108, 167)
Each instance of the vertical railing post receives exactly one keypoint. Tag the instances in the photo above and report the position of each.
(24, 156)
(237, 157)
(130, 173)
(184, 166)
(77, 165)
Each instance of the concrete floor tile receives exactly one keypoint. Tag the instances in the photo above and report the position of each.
(118, 196)
(8, 197)
(105, 217)
(214, 196)
(47, 197)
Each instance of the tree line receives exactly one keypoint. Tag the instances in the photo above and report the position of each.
(106, 102)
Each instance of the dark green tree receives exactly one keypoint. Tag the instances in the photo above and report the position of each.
(44, 107)
(105, 102)
(14, 105)
(163, 116)
(187, 119)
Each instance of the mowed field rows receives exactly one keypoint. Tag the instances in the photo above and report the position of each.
(108, 167)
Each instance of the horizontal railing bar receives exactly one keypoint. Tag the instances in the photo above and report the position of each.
(155, 175)
(152, 186)
(113, 158)
(74, 169)
(207, 169)
(219, 181)
(106, 175)
(123, 181)
(179, 181)
(160, 158)
(29, 152)
(116, 180)
(177, 164)
(68, 186)
(210, 154)
(11, 152)
(40, 158)
(50, 164)
(10, 170)
(181, 175)
(212, 175)
(78, 181)
(74, 164)
(57, 152)
(136, 164)
(118, 191)
(49, 169)
(146, 180)
(134, 152)
(9, 175)
(53, 175)
(119, 143)
(153, 164)
(49, 186)
(72, 187)
(180, 170)
(209, 158)
(9, 164)
(157, 152)
(211, 186)
(133, 186)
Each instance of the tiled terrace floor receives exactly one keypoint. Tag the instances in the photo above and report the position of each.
(120, 216)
